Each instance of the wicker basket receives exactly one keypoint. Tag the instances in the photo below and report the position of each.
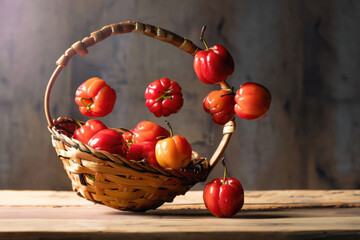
(111, 179)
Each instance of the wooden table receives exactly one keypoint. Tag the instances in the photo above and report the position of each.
(291, 214)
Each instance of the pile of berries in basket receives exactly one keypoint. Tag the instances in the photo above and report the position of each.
(161, 148)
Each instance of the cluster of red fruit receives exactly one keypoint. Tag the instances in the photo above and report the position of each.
(225, 197)
(251, 101)
(213, 65)
(147, 140)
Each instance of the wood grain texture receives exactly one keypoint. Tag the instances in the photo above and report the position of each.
(305, 52)
(63, 215)
(254, 200)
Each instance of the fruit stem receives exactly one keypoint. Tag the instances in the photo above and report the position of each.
(225, 86)
(164, 96)
(78, 123)
(87, 105)
(227, 94)
(223, 163)
(202, 38)
(171, 130)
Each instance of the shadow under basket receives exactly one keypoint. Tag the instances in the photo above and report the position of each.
(111, 179)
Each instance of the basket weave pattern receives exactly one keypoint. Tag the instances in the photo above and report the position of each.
(111, 179)
(118, 182)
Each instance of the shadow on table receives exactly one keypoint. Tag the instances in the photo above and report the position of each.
(264, 214)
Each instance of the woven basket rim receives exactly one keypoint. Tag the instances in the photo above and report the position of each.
(142, 166)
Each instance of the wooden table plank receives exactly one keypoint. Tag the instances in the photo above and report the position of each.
(253, 199)
(293, 223)
(63, 215)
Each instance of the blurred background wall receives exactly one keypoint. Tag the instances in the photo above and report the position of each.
(307, 53)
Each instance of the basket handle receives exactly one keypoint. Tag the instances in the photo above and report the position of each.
(81, 48)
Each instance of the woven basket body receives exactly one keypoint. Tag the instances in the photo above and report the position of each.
(111, 179)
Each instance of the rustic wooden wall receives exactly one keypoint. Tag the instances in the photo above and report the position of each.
(306, 52)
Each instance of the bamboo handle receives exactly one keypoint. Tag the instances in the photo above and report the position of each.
(81, 48)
